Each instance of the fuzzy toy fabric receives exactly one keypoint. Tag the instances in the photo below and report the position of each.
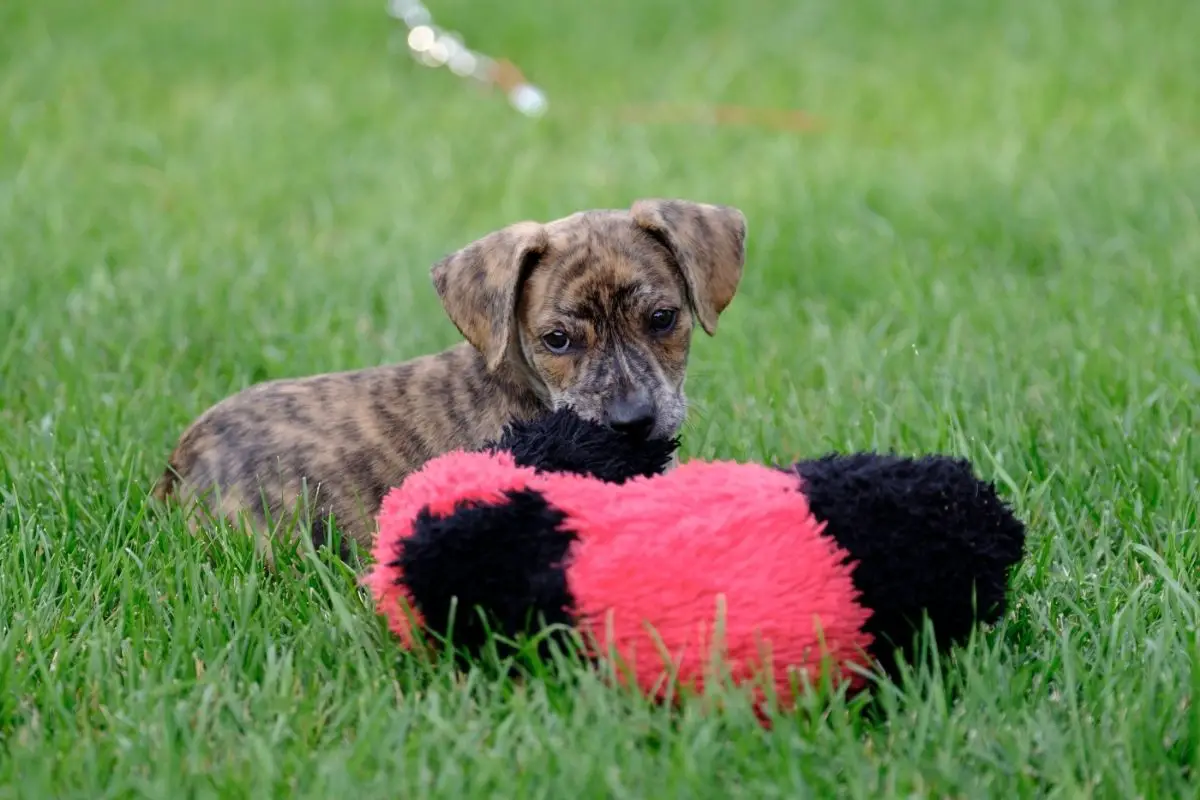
(827, 564)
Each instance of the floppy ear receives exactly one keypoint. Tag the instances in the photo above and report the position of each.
(479, 284)
(709, 244)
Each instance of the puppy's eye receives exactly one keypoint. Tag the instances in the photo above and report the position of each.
(662, 320)
(556, 341)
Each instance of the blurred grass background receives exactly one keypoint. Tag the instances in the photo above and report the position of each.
(989, 248)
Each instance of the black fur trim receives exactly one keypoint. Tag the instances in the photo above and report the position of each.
(929, 537)
(504, 559)
(562, 441)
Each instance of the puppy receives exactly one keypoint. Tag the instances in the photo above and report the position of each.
(594, 311)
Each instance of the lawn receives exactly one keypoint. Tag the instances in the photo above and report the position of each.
(989, 247)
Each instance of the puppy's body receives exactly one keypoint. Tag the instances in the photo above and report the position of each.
(339, 441)
(593, 311)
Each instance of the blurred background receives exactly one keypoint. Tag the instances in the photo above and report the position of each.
(195, 196)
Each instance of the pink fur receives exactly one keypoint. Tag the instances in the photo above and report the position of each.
(658, 558)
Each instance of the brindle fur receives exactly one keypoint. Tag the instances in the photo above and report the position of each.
(338, 442)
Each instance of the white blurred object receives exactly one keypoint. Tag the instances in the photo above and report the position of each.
(434, 47)
(528, 99)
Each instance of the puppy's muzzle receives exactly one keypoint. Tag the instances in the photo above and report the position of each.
(632, 413)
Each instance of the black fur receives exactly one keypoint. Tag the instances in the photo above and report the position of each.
(929, 537)
(563, 441)
(506, 559)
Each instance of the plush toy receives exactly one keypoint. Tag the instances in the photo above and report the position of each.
(826, 564)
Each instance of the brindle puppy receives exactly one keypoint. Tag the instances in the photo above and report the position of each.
(594, 311)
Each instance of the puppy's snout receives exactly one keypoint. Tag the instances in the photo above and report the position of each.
(632, 413)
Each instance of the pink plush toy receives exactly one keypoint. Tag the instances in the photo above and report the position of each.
(830, 563)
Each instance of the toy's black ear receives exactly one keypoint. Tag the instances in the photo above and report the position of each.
(507, 560)
(562, 441)
(930, 539)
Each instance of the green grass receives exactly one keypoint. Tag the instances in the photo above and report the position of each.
(991, 249)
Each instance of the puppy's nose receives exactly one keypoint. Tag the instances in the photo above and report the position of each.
(632, 414)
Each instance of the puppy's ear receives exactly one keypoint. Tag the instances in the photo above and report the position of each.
(709, 244)
(479, 285)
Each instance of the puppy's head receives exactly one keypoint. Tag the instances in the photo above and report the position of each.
(596, 310)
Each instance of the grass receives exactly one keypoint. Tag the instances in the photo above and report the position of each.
(989, 249)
